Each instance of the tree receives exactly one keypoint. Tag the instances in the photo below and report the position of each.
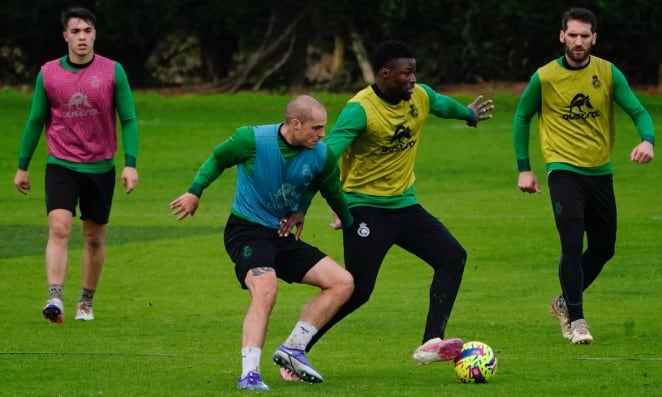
(232, 45)
(273, 51)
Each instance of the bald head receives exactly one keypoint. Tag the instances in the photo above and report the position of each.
(303, 108)
(305, 119)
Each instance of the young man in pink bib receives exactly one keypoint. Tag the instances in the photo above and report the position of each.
(75, 101)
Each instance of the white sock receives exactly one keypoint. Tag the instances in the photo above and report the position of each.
(250, 360)
(301, 335)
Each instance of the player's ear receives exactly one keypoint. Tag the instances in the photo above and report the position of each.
(562, 36)
(296, 124)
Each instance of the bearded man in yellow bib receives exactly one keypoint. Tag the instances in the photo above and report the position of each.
(574, 98)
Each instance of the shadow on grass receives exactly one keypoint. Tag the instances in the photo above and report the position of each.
(28, 240)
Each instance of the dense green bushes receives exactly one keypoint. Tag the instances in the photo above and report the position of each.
(297, 43)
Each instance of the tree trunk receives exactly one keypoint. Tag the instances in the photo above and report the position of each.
(276, 65)
(361, 56)
(338, 56)
(269, 56)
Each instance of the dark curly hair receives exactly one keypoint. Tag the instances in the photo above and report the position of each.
(389, 50)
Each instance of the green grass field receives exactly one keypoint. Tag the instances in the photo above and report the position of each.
(169, 309)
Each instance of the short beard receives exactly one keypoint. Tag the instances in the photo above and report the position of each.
(571, 56)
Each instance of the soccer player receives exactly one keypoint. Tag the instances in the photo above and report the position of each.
(574, 97)
(277, 165)
(76, 98)
(378, 134)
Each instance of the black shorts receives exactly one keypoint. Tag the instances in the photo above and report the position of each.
(376, 230)
(589, 199)
(93, 193)
(251, 245)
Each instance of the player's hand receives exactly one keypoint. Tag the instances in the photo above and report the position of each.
(481, 109)
(22, 181)
(337, 223)
(528, 183)
(129, 179)
(185, 205)
(293, 220)
(643, 153)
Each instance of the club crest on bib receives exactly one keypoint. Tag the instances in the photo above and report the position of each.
(595, 82)
(363, 230)
(247, 251)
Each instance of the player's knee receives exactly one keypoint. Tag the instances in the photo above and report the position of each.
(263, 285)
(346, 285)
(94, 242)
(461, 260)
(342, 286)
(454, 263)
(59, 230)
(359, 298)
(264, 292)
(606, 254)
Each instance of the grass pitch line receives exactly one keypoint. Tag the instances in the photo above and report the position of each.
(619, 358)
(96, 354)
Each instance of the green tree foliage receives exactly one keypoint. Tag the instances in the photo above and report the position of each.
(30, 34)
(272, 43)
